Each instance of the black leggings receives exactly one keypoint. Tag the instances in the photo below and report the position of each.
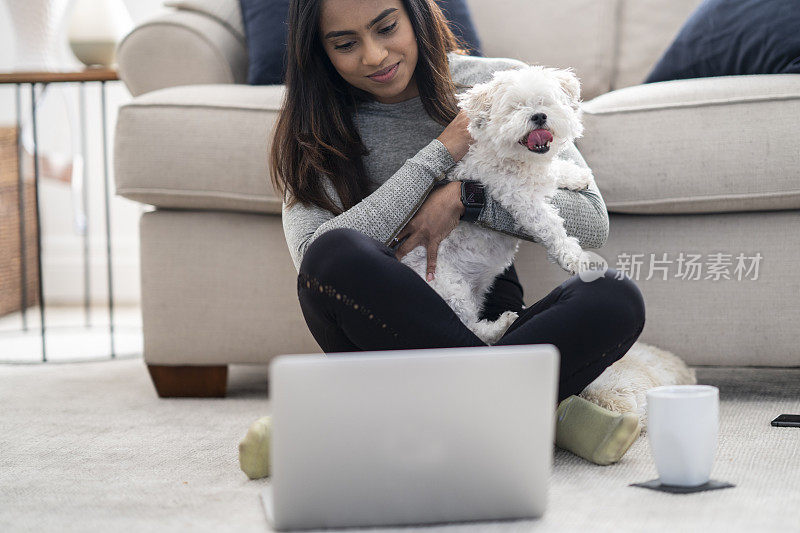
(355, 296)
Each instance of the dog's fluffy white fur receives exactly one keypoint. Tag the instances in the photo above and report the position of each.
(622, 386)
(523, 178)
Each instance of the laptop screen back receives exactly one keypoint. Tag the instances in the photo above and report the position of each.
(412, 436)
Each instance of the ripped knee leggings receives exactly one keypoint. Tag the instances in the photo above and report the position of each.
(356, 296)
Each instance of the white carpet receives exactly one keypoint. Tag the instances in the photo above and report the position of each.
(90, 447)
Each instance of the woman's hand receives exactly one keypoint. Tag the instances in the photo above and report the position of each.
(456, 137)
(432, 222)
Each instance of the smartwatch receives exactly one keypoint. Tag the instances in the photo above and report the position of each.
(473, 197)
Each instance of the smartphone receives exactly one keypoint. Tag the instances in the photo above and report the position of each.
(787, 421)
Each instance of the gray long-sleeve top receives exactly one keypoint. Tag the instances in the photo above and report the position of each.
(406, 159)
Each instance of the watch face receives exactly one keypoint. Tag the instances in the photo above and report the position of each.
(473, 194)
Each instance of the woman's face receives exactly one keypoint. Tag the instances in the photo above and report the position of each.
(362, 37)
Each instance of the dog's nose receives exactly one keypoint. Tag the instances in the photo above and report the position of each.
(539, 118)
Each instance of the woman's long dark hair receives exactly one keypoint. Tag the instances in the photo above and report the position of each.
(315, 134)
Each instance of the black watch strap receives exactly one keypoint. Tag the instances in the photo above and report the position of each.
(474, 198)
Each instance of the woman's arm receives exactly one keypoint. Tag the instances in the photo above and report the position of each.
(584, 212)
(381, 215)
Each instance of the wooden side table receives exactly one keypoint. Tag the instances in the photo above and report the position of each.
(20, 78)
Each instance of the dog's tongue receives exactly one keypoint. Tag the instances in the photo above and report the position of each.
(538, 137)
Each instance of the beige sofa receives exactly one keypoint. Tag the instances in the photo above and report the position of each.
(696, 174)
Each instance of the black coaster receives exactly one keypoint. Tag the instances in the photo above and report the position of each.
(656, 484)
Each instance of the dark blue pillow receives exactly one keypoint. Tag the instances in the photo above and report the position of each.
(460, 21)
(266, 31)
(734, 37)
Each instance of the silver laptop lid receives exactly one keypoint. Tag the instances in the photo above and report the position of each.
(411, 436)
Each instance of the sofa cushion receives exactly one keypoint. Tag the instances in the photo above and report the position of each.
(198, 147)
(697, 146)
(266, 30)
(734, 37)
(705, 278)
(558, 33)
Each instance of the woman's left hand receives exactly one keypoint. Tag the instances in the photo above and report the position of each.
(433, 221)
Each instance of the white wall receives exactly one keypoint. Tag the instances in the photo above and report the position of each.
(62, 246)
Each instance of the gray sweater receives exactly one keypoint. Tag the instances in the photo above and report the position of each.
(405, 160)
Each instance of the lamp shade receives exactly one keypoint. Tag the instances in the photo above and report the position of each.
(95, 28)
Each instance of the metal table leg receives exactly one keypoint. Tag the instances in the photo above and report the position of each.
(21, 195)
(108, 218)
(86, 264)
(38, 211)
(38, 217)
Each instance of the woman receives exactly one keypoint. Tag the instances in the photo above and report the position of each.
(368, 132)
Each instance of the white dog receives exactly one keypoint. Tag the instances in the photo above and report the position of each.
(520, 120)
(514, 119)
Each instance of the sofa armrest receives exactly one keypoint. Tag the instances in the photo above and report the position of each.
(181, 47)
(200, 147)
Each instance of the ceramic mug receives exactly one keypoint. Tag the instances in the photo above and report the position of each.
(682, 428)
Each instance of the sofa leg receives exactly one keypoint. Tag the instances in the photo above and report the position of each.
(189, 381)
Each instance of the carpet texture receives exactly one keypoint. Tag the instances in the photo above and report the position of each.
(90, 447)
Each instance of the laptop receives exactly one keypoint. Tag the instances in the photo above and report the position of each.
(402, 437)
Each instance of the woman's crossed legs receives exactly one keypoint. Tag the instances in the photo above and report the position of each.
(356, 296)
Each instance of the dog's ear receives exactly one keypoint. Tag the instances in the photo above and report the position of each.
(570, 84)
(477, 101)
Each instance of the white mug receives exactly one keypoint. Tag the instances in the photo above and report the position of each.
(682, 427)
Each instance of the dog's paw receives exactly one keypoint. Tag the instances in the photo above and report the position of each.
(571, 263)
(573, 176)
(490, 332)
(585, 178)
(506, 319)
(580, 184)
(573, 268)
(583, 262)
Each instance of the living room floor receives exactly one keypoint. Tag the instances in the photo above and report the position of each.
(90, 447)
(72, 333)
